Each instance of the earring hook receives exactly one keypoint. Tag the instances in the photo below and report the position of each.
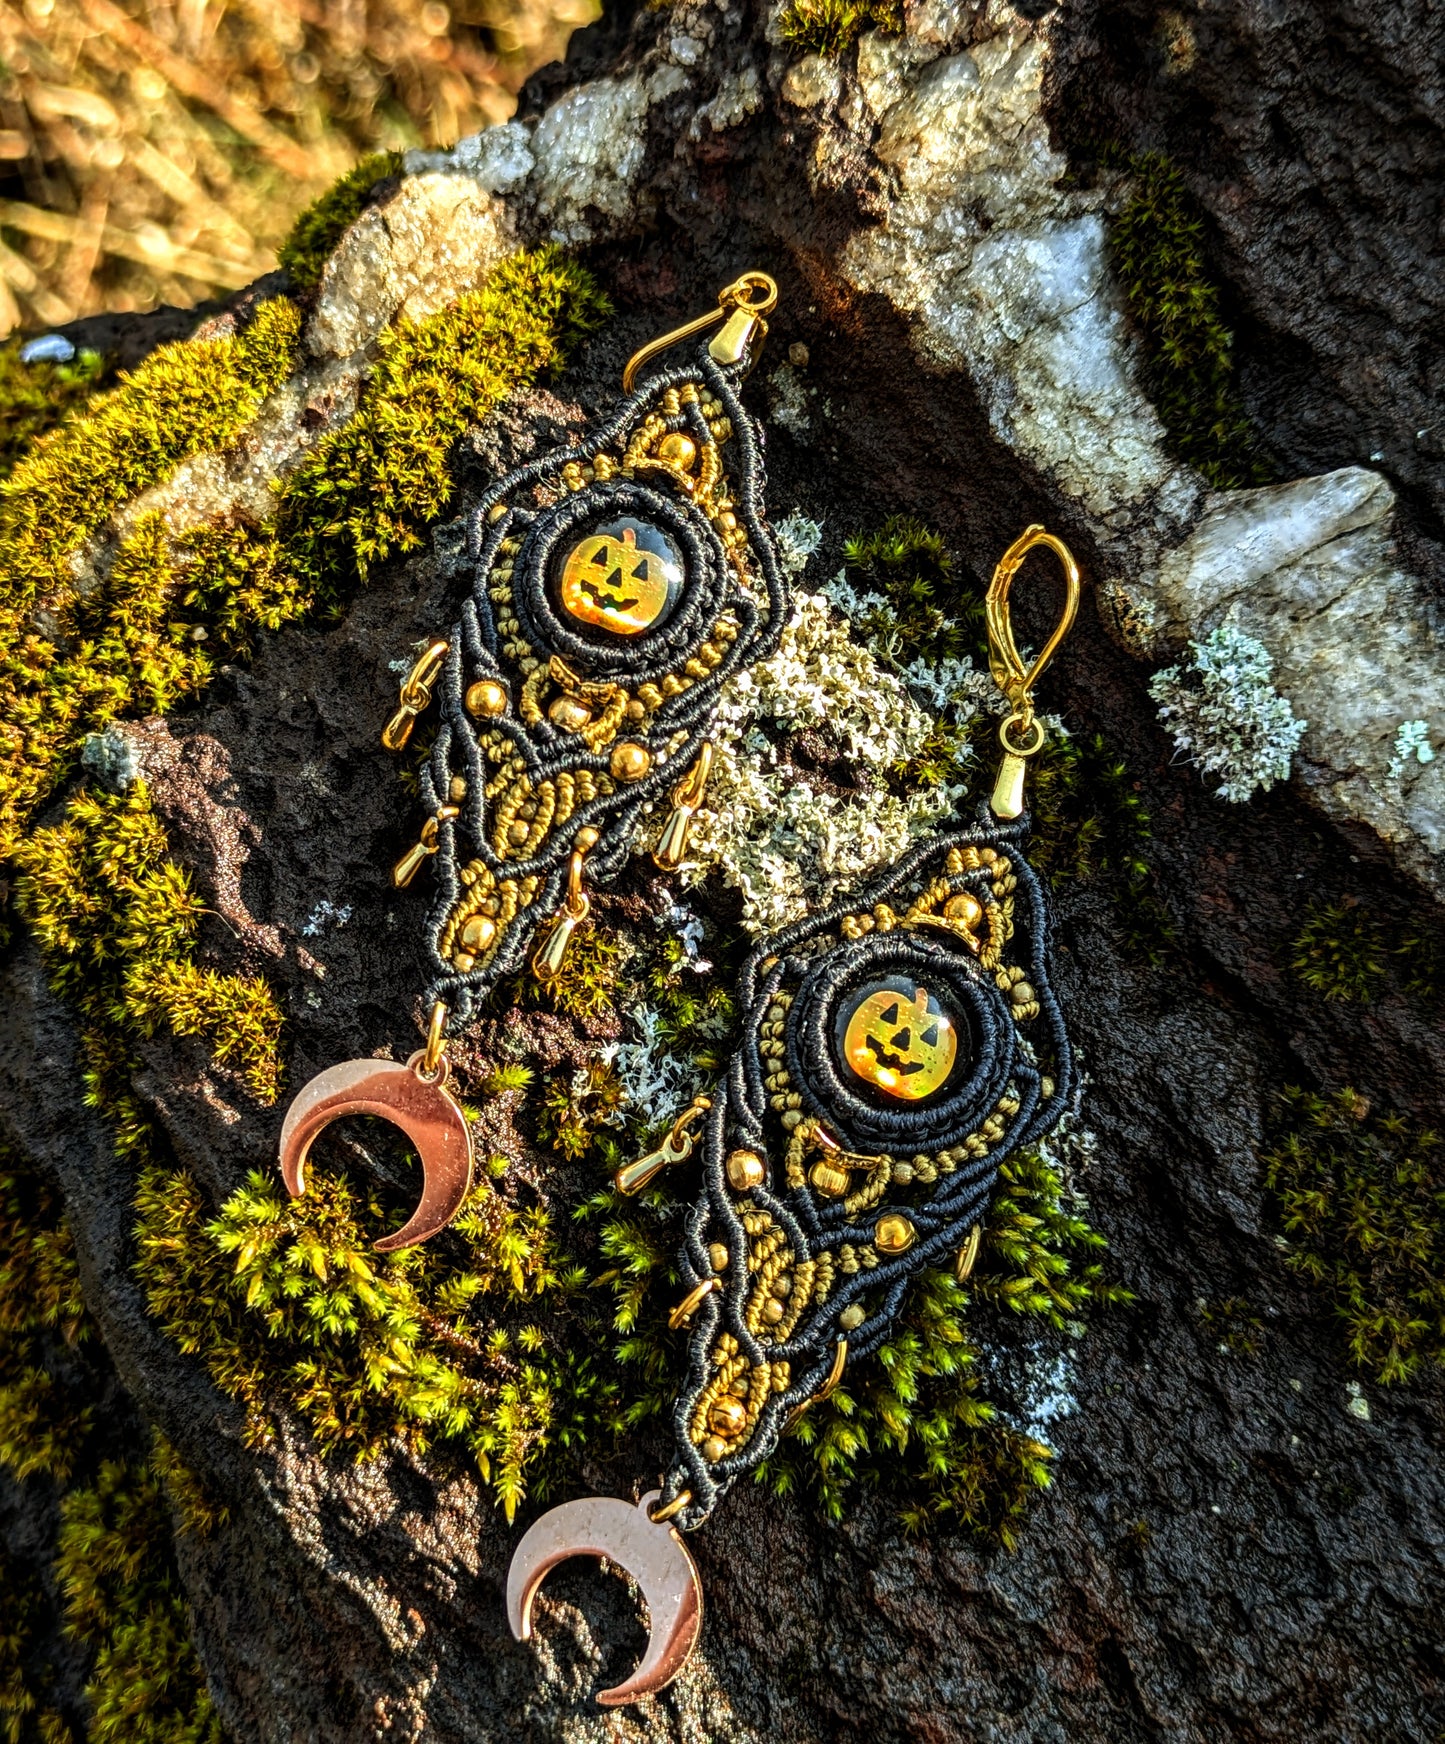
(742, 304)
(1004, 660)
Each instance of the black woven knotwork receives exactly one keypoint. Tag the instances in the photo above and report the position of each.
(594, 666)
(866, 1179)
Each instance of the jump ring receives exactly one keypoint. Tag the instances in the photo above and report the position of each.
(1033, 742)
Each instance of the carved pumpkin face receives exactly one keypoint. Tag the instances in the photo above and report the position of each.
(623, 577)
(904, 1045)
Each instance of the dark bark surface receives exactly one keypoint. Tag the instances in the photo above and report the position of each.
(1227, 1552)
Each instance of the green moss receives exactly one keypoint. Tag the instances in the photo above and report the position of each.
(1362, 1201)
(125, 1601)
(828, 27)
(321, 226)
(35, 397)
(26, 1681)
(1234, 1324)
(120, 651)
(116, 920)
(910, 566)
(289, 1306)
(1339, 952)
(1157, 244)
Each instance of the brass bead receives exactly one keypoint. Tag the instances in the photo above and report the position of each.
(517, 834)
(478, 931)
(831, 1182)
(965, 909)
(458, 788)
(740, 1387)
(1046, 1088)
(677, 450)
(727, 1417)
(893, 1233)
(464, 961)
(630, 762)
(745, 1171)
(486, 699)
(1021, 993)
(719, 1256)
(713, 1449)
(570, 713)
(852, 1317)
(773, 1311)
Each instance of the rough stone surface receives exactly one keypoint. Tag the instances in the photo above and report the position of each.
(1231, 1549)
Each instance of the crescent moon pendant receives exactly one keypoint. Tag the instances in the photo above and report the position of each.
(429, 1116)
(652, 1553)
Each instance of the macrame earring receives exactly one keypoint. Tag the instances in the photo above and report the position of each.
(895, 1051)
(617, 586)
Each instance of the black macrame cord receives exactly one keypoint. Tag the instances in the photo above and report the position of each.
(672, 734)
(1008, 1067)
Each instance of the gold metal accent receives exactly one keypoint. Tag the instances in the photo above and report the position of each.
(727, 1417)
(408, 865)
(673, 1508)
(1008, 788)
(690, 1303)
(904, 1049)
(551, 954)
(431, 1059)
(1006, 664)
(415, 695)
(968, 1253)
(478, 932)
(687, 796)
(828, 1179)
(486, 699)
(745, 1170)
(677, 1147)
(569, 712)
(829, 1386)
(717, 1252)
(742, 305)
(894, 1233)
(677, 450)
(630, 762)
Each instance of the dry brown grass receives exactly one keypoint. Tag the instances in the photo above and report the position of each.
(157, 151)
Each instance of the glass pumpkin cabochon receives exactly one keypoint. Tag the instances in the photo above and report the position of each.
(899, 1040)
(622, 576)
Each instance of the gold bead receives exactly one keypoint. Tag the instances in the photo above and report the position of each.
(852, 1317)
(458, 788)
(965, 909)
(1046, 1088)
(773, 1311)
(486, 699)
(569, 713)
(727, 1417)
(719, 1256)
(630, 762)
(463, 960)
(713, 1449)
(478, 931)
(893, 1233)
(832, 1183)
(517, 834)
(1021, 993)
(677, 450)
(745, 1171)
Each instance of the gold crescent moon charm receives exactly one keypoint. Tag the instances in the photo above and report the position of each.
(421, 1106)
(651, 1551)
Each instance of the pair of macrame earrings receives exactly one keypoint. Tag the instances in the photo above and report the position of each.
(895, 1050)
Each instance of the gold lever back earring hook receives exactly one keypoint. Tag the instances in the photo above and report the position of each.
(1004, 660)
(742, 304)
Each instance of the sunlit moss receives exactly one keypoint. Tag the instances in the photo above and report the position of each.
(828, 27)
(35, 397)
(325, 221)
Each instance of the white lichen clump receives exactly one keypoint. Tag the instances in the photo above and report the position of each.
(775, 831)
(1412, 745)
(1224, 714)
